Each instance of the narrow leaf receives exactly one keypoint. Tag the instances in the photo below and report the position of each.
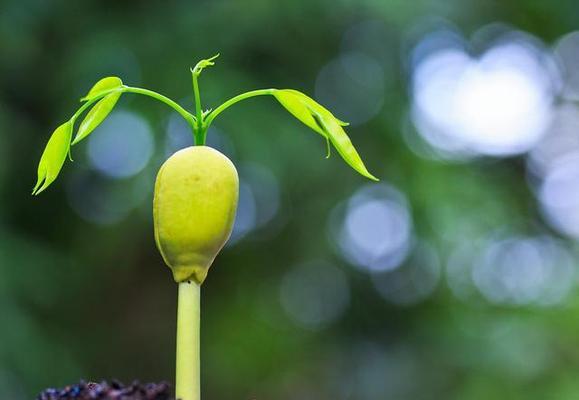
(343, 144)
(291, 95)
(323, 121)
(53, 157)
(108, 83)
(96, 116)
(297, 104)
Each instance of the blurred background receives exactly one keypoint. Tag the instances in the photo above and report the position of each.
(455, 277)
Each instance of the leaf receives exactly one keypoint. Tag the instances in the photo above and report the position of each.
(108, 83)
(343, 144)
(289, 97)
(297, 104)
(53, 157)
(323, 121)
(96, 116)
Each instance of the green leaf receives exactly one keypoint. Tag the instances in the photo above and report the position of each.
(323, 121)
(53, 157)
(295, 102)
(108, 83)
(96, 115)
(299, 105)
(342, 143)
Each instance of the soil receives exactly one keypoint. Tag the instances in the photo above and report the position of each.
(113, 390)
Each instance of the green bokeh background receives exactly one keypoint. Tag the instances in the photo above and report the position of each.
(93, 301)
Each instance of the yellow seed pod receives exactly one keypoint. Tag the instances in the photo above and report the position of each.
(194, 209)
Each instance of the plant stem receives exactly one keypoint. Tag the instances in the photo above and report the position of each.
(128, 89)
(184, 113)
(197, 95)
(199, 129)
(187, 382)
(233, 100)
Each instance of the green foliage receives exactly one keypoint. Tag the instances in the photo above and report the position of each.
(105, 84)
(96, 115)
(101, 109)
(301, 107)
(107, 92)
(322, 121)
(53, 157)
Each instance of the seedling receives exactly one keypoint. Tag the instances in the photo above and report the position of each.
(196, 193)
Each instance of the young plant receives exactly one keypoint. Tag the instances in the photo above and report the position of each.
(196, 193)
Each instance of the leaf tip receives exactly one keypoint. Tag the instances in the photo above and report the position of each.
(105, 84)
(38, 188)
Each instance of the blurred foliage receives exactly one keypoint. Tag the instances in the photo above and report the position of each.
(89, 300)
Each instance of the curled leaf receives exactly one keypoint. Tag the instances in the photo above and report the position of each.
(53, 157)
(108, 83)
(96, 116)
(323, 121)
(201, 65)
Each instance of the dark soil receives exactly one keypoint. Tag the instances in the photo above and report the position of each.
(109, 391)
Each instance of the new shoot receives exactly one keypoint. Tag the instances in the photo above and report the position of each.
(196, 192)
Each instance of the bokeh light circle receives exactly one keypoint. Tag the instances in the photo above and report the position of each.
(259, 199)
(121, 146)
(567, 55)
(524, 271)
(497, 104)
(375, 232)
(315, 294)
(414, 281)
(352, 86)
(559, 196)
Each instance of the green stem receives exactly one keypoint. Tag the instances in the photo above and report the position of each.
(128, 89)
(233, 100)
(187, 382)
(200, 133)
(184, 113)
(197, 96)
